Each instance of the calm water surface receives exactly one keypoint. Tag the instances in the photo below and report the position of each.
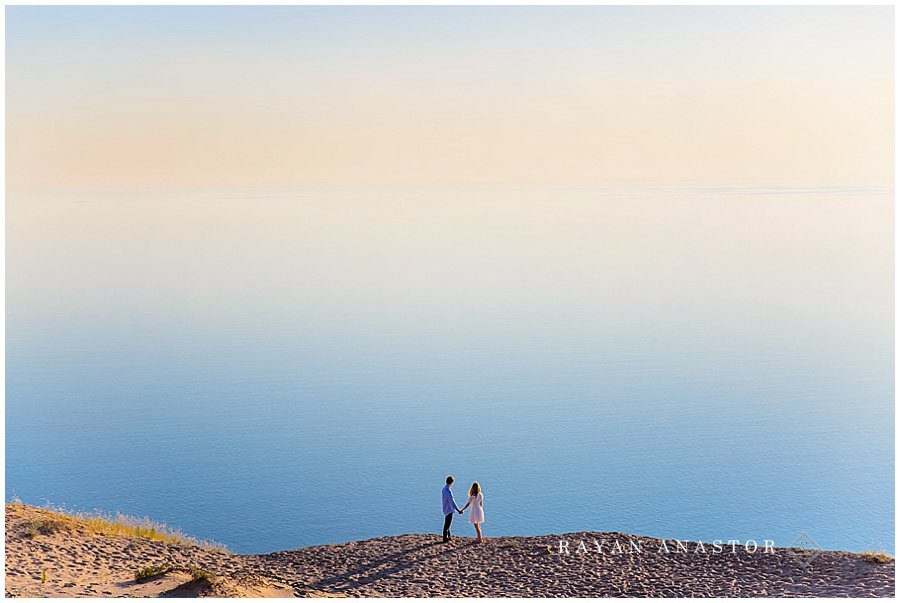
(275, 369)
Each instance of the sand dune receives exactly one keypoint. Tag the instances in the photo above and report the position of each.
(72, 561)
(48, 556)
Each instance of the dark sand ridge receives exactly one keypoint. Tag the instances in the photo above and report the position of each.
(76, 562)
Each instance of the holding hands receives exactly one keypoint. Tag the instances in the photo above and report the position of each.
(448, 505)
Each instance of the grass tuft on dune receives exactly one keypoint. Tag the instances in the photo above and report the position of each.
(876, 557)
(150, 572)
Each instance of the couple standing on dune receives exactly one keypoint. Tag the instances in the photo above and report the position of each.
(476, 501)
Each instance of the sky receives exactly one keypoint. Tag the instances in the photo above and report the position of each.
(249, 96)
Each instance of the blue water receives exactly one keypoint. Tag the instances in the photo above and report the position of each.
(276, 369)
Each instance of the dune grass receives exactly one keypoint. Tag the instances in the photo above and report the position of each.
(45, 526)
(57, 519)
(198, 573)
(877, 557)
(155, 571)
(150, 572)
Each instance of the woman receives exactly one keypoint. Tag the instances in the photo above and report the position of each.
(476, 515)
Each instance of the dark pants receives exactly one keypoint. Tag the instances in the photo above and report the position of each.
(448, 518)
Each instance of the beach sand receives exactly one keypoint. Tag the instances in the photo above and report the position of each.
(72, 561)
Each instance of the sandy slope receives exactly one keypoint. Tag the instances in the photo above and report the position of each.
(76, 563)
(81, 564)
(419, 565)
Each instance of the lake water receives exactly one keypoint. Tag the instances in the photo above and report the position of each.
(276, 369)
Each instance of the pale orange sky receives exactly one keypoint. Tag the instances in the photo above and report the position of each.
(258, 96)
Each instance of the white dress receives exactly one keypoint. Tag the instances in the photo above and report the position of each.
(476, 514)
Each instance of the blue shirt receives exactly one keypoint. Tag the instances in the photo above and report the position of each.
(447, 501)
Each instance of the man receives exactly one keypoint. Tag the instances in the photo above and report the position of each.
(449, 505)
